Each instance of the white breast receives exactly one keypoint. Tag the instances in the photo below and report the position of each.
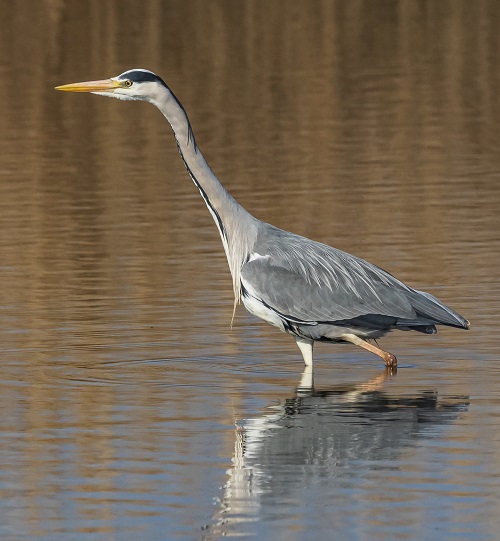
(256, 307)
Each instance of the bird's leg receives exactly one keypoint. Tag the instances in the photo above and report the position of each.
(389, 359)
(306, 348)
(307, 379)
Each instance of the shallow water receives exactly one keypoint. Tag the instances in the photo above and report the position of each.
(130, 407)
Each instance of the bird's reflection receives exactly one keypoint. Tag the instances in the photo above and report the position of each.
(317, 434)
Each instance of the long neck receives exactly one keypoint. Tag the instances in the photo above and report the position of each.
(237, 227)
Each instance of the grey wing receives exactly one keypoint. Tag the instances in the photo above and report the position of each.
(308, 282)
(297, 299)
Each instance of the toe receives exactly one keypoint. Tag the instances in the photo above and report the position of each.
(390, 360)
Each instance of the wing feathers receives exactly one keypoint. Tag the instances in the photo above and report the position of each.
(312, 282)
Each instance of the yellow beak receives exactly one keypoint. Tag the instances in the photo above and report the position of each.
(106, 85)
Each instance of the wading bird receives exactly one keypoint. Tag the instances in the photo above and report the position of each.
(307, 289)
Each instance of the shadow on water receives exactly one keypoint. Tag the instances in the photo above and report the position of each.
(318, 436)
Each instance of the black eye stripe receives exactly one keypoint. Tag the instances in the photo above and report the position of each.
(137, 76)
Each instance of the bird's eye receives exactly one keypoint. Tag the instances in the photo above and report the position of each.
(128, 83)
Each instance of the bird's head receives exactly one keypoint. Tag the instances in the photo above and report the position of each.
(135, 84)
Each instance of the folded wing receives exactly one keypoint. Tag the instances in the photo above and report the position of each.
(309, 282)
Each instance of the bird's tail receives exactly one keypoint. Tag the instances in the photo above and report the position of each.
(431, 311)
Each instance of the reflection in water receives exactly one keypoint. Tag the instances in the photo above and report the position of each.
(317, 435)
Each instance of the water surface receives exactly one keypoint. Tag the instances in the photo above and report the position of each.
(130, 407)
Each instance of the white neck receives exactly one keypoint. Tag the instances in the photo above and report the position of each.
(237, 227)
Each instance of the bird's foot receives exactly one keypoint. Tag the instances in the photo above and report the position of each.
(390, 360)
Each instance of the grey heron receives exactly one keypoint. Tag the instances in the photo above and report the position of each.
(305, 288)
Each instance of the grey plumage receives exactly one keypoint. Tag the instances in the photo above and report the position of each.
(320, 291)
(305, 288)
